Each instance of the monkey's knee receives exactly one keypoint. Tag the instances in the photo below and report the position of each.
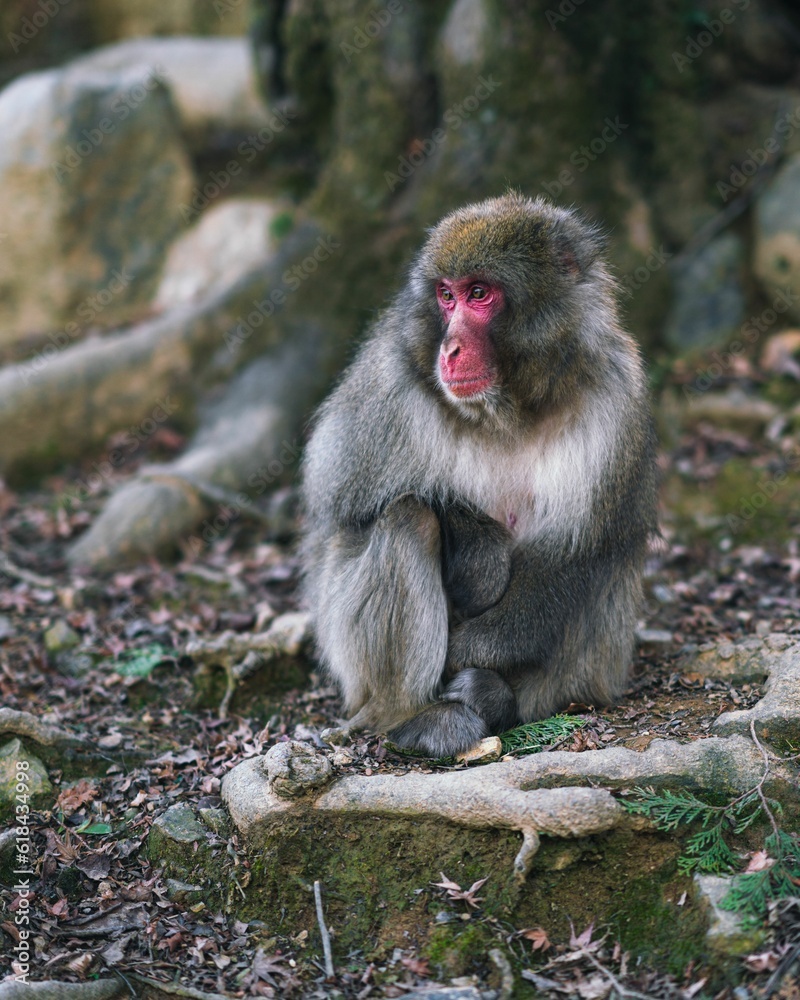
(487, 694)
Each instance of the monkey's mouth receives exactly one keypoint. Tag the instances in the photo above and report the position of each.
(465, 387)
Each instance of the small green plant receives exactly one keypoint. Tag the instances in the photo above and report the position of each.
(536, 736)
(708, 851)
(142, 662)
(753, 891)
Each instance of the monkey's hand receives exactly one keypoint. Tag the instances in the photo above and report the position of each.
(476, 559)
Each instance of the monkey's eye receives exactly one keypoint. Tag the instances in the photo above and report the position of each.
(478, 292)
(445, 295)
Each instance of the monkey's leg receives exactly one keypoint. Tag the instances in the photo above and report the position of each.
(475, 704)
(562, 632)
(381, 615)
(476, 559)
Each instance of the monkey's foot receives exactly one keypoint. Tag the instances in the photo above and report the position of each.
(441, 730)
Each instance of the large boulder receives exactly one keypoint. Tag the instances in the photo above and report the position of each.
(227, 241)
(93, 172)
(213, 82)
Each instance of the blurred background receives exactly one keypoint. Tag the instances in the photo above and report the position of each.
(204, 206)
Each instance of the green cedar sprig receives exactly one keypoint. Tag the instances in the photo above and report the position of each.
(534, 737)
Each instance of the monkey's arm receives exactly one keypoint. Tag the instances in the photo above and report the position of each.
(476, 559)
(545, 593)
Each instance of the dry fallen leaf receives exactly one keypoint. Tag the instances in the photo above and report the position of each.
(766, 961)
(454, 890)
(759, 862)
(77, 795)
(538, 938)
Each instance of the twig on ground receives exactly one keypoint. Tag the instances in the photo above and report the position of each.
(323, 930)
(616, 984)
(760, 786)
(25, 575)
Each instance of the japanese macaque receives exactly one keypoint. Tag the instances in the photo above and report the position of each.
(480, 487)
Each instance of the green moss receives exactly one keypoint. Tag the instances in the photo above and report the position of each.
(458, 949)
(750, 505)
(377, 877)
(260, 694)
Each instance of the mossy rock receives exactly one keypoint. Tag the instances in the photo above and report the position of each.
(377, 879)
(748, 504)
(34, 792)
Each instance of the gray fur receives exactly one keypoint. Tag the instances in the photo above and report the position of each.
(461, 550)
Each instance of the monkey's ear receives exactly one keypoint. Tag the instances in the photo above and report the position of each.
(576, 246)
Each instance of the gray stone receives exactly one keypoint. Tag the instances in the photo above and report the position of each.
(733, 410)
(180, 824)
(6, 628)
(294, 768)
(60, 637)
(185, 892)
(8, 855)
(726, 935)
(229, 240)
(212, 80)
(777, 237)
(777, 715)
(179, 842)
(216, 820)
(709, 303)
(748, 661)
(93, 171)
(34, 792)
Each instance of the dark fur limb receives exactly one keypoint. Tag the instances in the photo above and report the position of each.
(487, 694)
(441, 730)
(580, 653)
(475, 704)
(476, 559)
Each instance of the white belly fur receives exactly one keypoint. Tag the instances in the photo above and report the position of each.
(544, 484)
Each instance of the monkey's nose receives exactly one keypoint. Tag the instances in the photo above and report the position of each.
(450, 352)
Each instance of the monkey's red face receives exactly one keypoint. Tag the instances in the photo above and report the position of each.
(466, 356)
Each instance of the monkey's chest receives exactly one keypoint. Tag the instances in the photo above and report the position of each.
(501, 485)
